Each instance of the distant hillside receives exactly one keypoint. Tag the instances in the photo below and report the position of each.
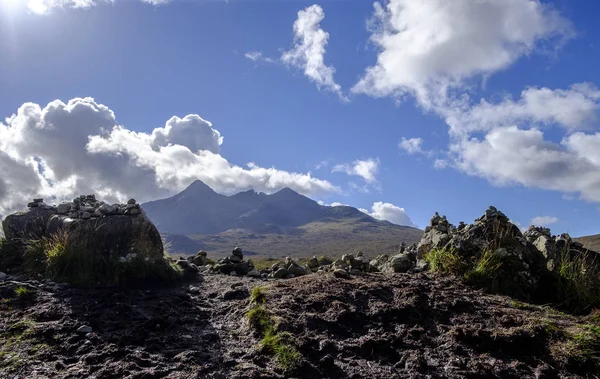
(284, 223)
(590, 242)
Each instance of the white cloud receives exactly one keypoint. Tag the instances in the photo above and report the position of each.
(258, 56)
(544, 220)
(46, 6)
(62, 150)
(308, 52)
(427, 48)
(572, 109)
(412, 145)
(389, 212)
(434, 50)
(366, 169)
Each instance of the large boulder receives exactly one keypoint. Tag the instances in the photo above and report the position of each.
(28, 225)
(88, 230)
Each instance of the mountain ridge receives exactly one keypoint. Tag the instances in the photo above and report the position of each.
(281, 219)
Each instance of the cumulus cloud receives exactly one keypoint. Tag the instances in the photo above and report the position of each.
(46, 6)
(366, 169)
(308, 52)
(427, 48)
(412, 145)
(389, 212)
(65, 149)
(571, 109)
(434, 50)
(544, 220)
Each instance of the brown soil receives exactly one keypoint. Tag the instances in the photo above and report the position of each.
(399, 326)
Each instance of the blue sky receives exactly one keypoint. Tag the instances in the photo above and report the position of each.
(143, 64)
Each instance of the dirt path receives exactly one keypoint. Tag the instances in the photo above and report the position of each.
(400, 326)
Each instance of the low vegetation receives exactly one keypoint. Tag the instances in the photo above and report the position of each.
(576, 280)
(278, 344)
(55, 258)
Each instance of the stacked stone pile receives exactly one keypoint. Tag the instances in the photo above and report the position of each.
(525, 257)
(235, 265)
(91, 225)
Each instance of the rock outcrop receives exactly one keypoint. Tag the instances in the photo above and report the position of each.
(92, 226)
(523, 259)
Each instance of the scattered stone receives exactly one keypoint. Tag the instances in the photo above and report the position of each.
(239, 293)
(253, 273)
(342, 274)
(281, 273)
(84, 329)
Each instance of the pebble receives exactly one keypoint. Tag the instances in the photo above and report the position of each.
(84, 329)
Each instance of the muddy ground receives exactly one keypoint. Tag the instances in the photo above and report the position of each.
(397, 326)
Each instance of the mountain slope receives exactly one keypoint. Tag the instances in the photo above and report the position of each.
(284, 223)
(590, 242)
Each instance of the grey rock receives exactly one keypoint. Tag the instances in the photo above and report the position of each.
(199, 260)
(106, 209)
(241, 268)
(131, 201)
(239, 293)
(134, 212)
(32, 205)
(63, 208)
(253, 273)
(281, 273)
(30, 224)
(296, 270)
(313, 262)
(84, 329)
(224, 268)
(342, 274)
(238, 252)
(402, 262)
(235, 259)
(2, 276)
(86, 216)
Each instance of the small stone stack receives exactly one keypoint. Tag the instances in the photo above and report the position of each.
(86, 207)
(289, 268)
(39, 203)
(235, 264)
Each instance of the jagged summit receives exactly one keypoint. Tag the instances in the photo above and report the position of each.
(199, 210)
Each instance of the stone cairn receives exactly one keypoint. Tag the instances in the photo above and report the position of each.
(86, 207)
(347, 265)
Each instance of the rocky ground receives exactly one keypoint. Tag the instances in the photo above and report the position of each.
(372, 326)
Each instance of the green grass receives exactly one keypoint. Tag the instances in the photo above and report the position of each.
(56, 258)
(23, 293)
(264, 263)
(257, 296)
(279, 345)
(446, 261)
(584, 344)
(577, 281)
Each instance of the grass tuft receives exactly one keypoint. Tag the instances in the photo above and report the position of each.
(280, 345)
(258, 296)
(577, 280)
(23, 293)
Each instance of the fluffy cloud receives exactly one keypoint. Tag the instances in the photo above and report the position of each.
(411, 145)
(571, 109)
(46, 6)
(65, 149)
(308, 51)
(366, 169)
(427, 48)
(389, 212)
(426, 53)
(544, 220)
